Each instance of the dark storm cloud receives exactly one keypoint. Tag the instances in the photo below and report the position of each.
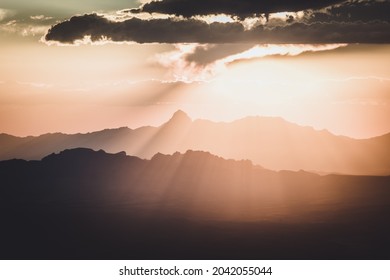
(196, 31)
(204, 55)
(145, 31)
(365, 11)
(327, 33)
(349, 22)
(240, 8)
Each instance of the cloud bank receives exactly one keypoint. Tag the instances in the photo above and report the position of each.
(363, 21)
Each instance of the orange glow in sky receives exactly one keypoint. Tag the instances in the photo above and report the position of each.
(77, 89)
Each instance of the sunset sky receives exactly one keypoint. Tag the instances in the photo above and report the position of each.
(79, 66)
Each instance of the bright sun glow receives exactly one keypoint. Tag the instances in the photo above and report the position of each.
(271, 49)
(180, 68)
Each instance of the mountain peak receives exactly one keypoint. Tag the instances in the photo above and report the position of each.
(181, 116)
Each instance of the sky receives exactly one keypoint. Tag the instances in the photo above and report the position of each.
(80, 66)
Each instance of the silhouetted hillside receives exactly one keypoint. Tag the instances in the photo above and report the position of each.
(82, 204)
(269, 142)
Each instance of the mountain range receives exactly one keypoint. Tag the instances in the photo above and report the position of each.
(270, 142)
(85, 204)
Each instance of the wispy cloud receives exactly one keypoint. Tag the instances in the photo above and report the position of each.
(35, 84)
(19, 24)
(362, 78)
(5, 14)
(24, 28)
(40, 17)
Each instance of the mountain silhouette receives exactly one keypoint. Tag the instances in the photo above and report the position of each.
(86, 204)
(270, 142)
(180, 117)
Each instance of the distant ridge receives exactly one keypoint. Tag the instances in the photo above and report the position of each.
(200, 177)
(270, 142)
